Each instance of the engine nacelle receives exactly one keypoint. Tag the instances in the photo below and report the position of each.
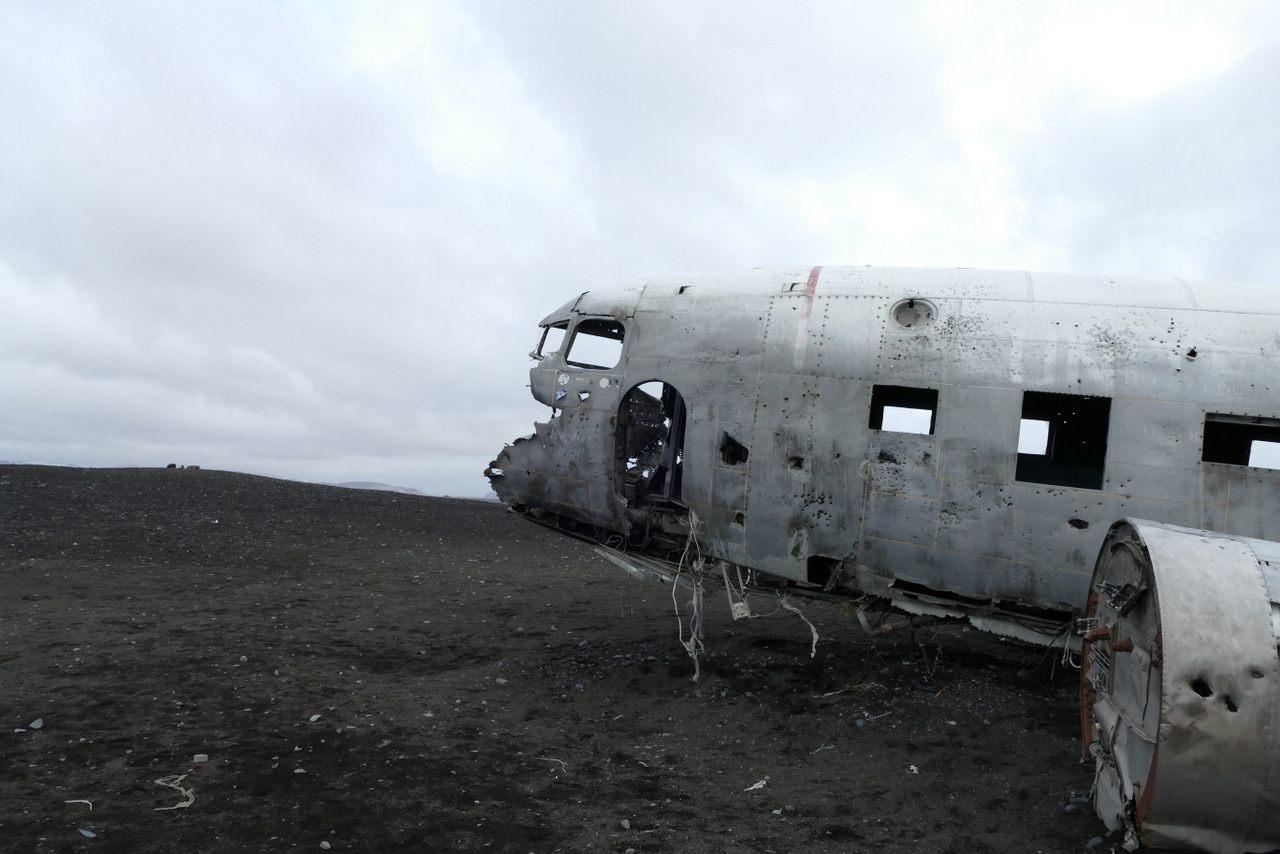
(1181, 687)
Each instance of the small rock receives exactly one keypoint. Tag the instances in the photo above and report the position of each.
(243, 659)
(1071, 809)
(624, 824)
(88, 834)
(200, 757)
(313, 718)
(777, 812)
(299, 771)
(500, 681)
(789, 808)
(628, 851)
(1094, 844)
(325, 845)
(36, 724)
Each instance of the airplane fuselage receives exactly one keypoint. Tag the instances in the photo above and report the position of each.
(857, 430)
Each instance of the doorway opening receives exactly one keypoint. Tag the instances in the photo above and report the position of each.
(650, 447)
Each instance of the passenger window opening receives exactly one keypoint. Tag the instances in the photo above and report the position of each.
(1033, 437)
(899, 409)
(1241, 440)
(595, 344)
(1074, 447)
(551, 341)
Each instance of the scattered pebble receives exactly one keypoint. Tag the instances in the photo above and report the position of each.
(299, 771)
(36, 724)
(500, 681)
(1094, 844)
(88, 834)
(325, 845)
(624, 824)
(243, 659)
(313, 718)
(200, 757)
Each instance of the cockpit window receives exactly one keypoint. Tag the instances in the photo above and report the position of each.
(551, 340)
(596, 343)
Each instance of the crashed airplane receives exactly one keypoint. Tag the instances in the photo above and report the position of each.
(1092, 463)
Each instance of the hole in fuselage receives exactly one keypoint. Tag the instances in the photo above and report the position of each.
(821, 568)
(732, 452)
(1230, 704)
(1201, 687)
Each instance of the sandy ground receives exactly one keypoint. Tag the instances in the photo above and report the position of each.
(375, 672)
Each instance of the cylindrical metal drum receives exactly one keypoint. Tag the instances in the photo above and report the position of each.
(1181, 688)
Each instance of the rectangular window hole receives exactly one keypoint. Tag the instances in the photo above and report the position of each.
(904, 410)
(1241, 440)
(1071, 449)
(596, 344)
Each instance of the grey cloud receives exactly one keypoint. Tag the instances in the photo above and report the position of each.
(1183, 185)
(223, 242)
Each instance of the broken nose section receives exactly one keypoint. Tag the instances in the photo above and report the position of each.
(559, 477)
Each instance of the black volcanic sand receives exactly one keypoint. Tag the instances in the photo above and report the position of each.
(380, 672)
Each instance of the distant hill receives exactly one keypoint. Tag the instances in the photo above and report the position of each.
(381, 487)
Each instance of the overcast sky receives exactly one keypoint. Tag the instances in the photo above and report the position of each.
(313, 239)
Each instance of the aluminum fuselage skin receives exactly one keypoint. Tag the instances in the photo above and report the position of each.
(788, 364)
